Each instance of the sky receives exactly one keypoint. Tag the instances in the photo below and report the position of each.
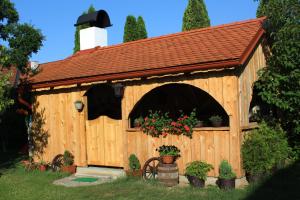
(56, 19)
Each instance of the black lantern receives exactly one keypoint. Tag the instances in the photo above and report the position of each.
(118, 90)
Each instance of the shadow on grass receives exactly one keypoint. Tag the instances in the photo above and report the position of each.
(284, 184)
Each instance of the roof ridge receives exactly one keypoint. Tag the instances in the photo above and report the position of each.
(96, 49)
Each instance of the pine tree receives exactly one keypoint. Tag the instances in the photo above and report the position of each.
(78, 28)
(195, 16)
(130, 29)
(141, 28)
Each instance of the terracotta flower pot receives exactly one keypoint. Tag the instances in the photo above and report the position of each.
(195, 181)
(226, 183)
(167, 159)
(70, 169)
(42, 168)
(135, 173)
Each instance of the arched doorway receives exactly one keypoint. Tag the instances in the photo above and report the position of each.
(177, 98)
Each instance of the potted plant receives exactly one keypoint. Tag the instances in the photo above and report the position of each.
(216, 120)
(68, 159)
(42, 166)
(134, 165)
(263, 149)
(138, 122)
(196, 173)
(199, 124)
(168, 153)
(226, 176)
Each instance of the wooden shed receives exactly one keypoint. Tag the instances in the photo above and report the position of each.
(212, 69)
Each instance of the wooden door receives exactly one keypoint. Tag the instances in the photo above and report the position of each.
(104, 142)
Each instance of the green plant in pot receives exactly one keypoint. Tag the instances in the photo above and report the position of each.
(196, 173)
(168, 153)
(226, 176)
(263, 149)
(134, 165)
(42, 166)
(216, 120)
(68, 159)
(138, 122)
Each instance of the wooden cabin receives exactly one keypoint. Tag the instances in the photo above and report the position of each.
(211, 69)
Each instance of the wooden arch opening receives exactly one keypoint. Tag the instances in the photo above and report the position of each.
(174, 98)
(102, 101)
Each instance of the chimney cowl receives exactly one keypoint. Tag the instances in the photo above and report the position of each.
(98, 19)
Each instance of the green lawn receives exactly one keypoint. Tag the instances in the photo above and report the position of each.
(16, 183)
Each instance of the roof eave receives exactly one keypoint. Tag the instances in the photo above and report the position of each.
(138, 74)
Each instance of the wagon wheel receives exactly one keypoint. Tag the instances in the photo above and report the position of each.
(150, 168)
(57, 162)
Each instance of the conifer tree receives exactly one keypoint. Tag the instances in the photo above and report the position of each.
(141, 28)
(78, 28)
(195, 16)
(130, 29)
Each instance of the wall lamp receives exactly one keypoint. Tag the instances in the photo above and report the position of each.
(78, 105)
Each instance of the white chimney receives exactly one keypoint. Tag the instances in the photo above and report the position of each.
(96, 34)
(93, 37)
(34, 65)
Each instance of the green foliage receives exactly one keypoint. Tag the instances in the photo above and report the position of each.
(68, 158)
(130, 29)
(264, 148)
(215, 118)
(134, 29)
(22, 39)
(279, 83)
(156, 124)
(134, 162)
(168, 150)
(5, 101)
(195, 16)
(198, 169)
(225, 170)
(78, 28)
(141, 28)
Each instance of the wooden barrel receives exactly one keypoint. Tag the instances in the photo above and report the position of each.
(168, 174)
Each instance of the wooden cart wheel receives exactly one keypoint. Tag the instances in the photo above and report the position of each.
(57, 162)
(150, 168)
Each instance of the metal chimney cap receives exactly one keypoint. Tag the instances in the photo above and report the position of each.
(96, 19)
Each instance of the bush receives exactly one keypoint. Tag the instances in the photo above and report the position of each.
(198, 169)
(68, 158)
(264, 148)
(134, 162)
(225, 171)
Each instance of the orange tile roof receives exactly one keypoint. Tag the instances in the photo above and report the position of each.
(221, 46)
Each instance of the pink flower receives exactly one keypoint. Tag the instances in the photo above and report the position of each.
(146, 118)
(153, 120)
(185, 117)
(186, 128)
(164, 134)
(173, 123)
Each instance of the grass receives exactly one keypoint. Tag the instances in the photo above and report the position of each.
(18, 184)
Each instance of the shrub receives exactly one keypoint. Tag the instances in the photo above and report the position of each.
(198, 169)
(225, 171)
(134, 162)
(68, 158)
(170, 150)
(264, 148)
(215, 118)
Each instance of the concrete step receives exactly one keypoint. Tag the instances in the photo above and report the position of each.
(100, 172)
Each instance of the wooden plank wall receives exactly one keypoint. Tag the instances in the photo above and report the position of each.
(64, 124)
(209, 145)
(223, 87)
(246, 81)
